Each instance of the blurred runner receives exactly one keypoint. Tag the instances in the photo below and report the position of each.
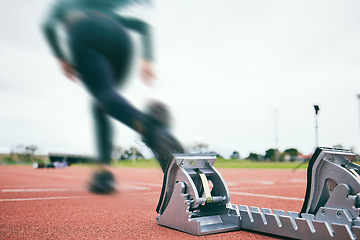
(101, 53)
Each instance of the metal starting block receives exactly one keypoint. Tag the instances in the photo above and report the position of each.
(196, 200)
(330, 209)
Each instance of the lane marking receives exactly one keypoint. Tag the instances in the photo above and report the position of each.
(137, 186)
(46, 173)
(146, 184)
(126, 187)
(230, 184)
(255, 181)
(148, 193)
(36, 190)
(267, 182)
(297, 180)
(36, 199)
(265, 187)
(56, 175)
(35, 186)
(267, 196)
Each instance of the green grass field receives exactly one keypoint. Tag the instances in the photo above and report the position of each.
(220, 163)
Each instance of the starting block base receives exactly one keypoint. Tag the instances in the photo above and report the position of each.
(196, 199)
(178, 216)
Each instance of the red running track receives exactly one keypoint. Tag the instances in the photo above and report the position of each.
(54, 203)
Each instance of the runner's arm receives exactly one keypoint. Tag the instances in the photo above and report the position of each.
(49, 30)
(144, 29)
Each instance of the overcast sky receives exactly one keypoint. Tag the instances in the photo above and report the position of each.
(225, 68)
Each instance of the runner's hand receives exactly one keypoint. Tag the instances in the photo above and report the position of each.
(147, 72)
(68, 70)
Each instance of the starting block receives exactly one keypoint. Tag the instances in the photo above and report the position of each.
(196, 200)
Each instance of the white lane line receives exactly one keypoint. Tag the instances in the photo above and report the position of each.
(265, 187)
(36, 199)
(296, 180)
(230, 184)
(36, 190)
(239, 182)
(126, 187)
(148, 193)
(34, 186)
(267, 182)
(120, 187)
(146, 184)
(46, 173)
(250, 188)
(56, 175)
(267, 196)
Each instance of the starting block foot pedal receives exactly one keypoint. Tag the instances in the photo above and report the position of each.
(195, 198)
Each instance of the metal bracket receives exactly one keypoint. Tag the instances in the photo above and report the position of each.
(188, 204)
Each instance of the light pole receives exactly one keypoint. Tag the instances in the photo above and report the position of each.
(358, 96)
(316, 107)
(276, 129)
(276, 135)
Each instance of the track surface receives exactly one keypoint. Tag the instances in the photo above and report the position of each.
(54, 203)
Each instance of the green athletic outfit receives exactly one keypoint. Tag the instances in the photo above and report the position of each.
(69, 11)
(101, 52)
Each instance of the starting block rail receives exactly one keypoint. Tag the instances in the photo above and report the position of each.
(293, 225)
(195, 199)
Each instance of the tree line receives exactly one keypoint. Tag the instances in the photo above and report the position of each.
(274, 155)
(23, 153)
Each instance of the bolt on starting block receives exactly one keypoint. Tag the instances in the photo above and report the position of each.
(195, 199)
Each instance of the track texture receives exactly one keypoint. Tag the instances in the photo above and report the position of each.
(55, 204)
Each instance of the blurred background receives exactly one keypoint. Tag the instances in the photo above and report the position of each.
(239, 76)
